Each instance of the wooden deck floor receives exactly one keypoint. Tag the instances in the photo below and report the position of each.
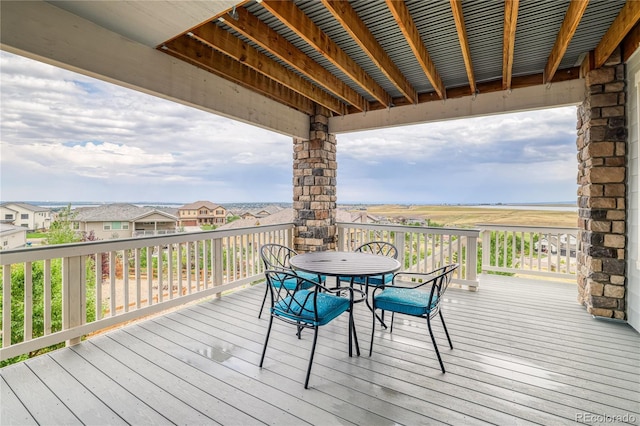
(524, 353)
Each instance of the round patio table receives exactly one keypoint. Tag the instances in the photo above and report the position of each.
(346, 264)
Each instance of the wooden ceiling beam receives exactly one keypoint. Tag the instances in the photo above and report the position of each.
(631, 42)
(569, 25)
(509, 41)
(456, 8)
(408, 27)
(261, 34)
(225, 42)
(290, 15)
(627, 18)
(344, 13)
(485, 87)
(197, 54)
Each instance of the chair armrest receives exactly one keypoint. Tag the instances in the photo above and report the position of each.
(412, 280)
(334, 290)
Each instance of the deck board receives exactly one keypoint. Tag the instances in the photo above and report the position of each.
(524, 353)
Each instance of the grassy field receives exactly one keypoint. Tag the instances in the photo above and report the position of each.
(468, 216)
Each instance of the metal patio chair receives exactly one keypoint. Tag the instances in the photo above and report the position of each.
(415, 294)
(381, 248)
(307, 305)
(276, 257)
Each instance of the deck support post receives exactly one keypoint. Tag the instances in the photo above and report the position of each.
(314, 187)
(602, 199)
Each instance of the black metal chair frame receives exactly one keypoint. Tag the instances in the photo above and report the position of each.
(381, 248)
(283, 303)
(438, 280)
(275, 257)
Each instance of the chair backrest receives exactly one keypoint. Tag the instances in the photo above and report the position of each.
(444, 276)
(437, 281)
(276, 256)
(381, 248)
(283, 302)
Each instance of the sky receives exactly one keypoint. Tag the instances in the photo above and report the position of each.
(65, 137)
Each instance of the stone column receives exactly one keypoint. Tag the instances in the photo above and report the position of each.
(601, 142)
(314, 188)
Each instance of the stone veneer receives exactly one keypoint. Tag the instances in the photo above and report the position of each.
(314, 188)
(601, 142)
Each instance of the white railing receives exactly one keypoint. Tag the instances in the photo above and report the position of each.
(530, 250)
(154, 232)
(53, 294)
(522, 250)
(420, 249)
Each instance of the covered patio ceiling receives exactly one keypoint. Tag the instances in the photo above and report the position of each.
(368, 63)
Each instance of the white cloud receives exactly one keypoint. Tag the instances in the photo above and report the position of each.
(70, 137)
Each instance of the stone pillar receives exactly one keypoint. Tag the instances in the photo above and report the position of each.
(601, 142)
(314, 188)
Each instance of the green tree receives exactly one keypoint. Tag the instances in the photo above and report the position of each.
(233, 218)
(61, 230)
(515, 249)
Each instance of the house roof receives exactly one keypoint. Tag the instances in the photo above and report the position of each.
(199, 204)
(25, 206)
(370, 64)
(285, 215)
(120, 212)
(282, 216)
(8, 229)
(263, 211)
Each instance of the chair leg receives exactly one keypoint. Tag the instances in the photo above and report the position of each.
(264, 299)
(373, 329)
(266, 340)
(435, 345)
(313, 350)
(352, 324)
(366, 301)
(392, 317)
(445, 329)
(299, 332)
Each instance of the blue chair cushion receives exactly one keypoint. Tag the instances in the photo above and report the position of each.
(310, 276)
(329, 307)
(405, 301)
(373, 281)
(291, 283)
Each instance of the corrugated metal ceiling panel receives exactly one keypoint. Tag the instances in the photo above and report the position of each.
(538, 24)
(436, 26)
(325, 21)
(595, 23)
(262, 14)
(485, 27)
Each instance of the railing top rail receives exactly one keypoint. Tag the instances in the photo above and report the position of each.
(31, 254)
(469, 232)
(494, 227)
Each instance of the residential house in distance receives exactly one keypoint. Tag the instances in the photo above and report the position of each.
(112, 221)
(261, 212)
(202, 213)
(12, 236)
(286, 215)
(25, 215)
